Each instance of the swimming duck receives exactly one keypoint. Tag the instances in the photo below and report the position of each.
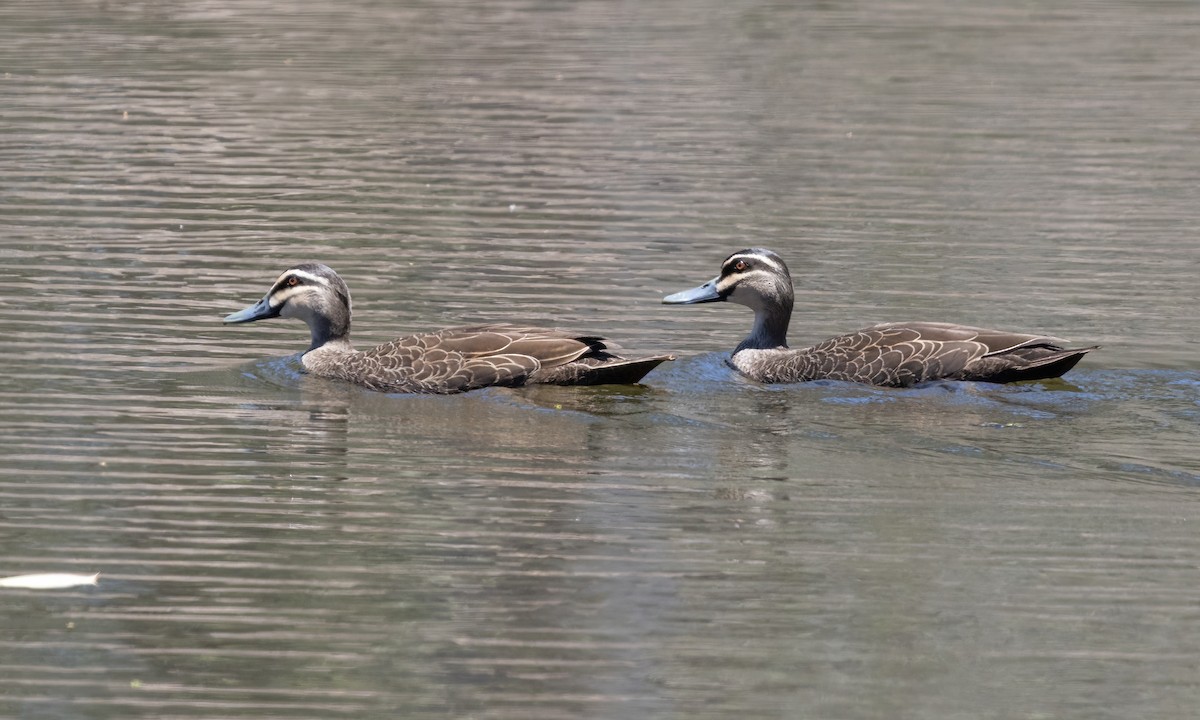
(448, 361)
(896, 354)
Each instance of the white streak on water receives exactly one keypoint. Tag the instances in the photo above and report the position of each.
(49, 581)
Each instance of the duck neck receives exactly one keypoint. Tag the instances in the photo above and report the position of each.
(770, 328)
(328, 331)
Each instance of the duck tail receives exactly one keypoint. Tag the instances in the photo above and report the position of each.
(1036, 366)
(588, 371)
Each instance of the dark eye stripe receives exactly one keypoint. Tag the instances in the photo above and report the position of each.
(755, 262)
(737, 266)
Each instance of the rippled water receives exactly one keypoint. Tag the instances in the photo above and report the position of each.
(274, 545)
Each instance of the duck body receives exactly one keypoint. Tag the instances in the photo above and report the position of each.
(909, 353)
(447, 361)
(471, 357)
(899, 354)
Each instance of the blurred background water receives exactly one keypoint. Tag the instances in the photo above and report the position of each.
(274, 545)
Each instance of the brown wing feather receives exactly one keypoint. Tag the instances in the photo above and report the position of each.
(454, 360)
(465, 358)
(903, 354)
(996, 341)
(548, 347)
(892, 355)
(503, 370)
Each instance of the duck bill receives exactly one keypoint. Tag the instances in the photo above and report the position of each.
(260, 310)
(705, 293)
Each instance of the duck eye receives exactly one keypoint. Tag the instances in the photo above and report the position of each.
(293, 281)
(740, 265)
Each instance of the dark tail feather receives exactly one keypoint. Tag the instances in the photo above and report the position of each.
(607, 372)
(1049, 366)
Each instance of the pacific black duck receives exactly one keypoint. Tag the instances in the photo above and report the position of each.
(448, 361)
(892, 354)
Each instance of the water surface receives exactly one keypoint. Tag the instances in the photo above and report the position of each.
(275, 545)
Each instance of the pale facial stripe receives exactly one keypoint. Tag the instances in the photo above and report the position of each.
(730, 277)
(286, 293)
(303, 274)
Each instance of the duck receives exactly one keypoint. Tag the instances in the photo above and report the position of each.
(894, 354)
(447, 361)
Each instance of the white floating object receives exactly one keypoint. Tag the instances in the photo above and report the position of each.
(48, 581)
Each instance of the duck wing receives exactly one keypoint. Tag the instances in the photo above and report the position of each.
(470, 357)
(564, 357)
(894, 355)
(459, 359)
(1009, 356)
(549, 347)
(600, 362)
(904, 354)
(995, 341)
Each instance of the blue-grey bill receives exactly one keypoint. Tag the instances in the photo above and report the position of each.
(260, 310)
(705, 293)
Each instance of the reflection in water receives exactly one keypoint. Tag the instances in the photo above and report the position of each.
(275, 544)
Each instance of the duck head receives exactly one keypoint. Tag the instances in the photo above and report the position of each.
(758, 279)
(311, 292)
